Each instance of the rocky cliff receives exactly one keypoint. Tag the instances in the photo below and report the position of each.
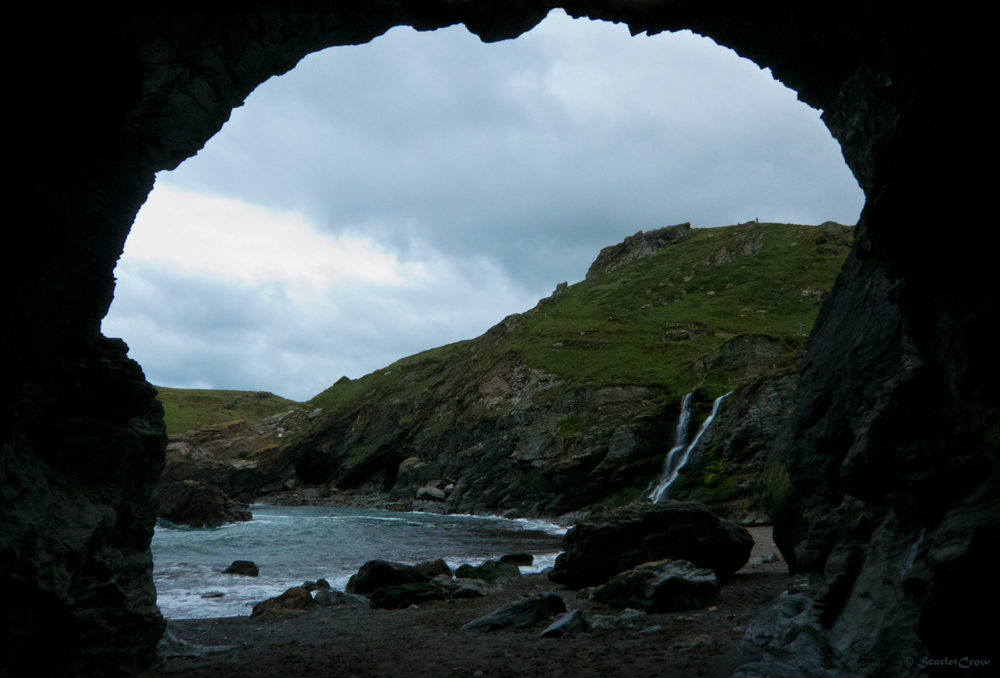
(574, 403)
(894, 423)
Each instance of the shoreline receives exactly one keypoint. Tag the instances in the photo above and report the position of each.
(427, 641)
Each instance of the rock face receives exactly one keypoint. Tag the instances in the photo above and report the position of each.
(627, 537)
(896, 422)
(198, 505)
(637, 246)
(404, 595)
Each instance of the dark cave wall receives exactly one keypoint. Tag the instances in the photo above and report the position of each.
(895, 427)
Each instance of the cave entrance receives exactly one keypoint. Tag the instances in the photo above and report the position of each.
(387, 198)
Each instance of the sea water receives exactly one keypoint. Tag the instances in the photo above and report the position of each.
(294, 544)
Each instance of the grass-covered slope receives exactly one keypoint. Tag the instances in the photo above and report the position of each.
(573, 403)
(647, 322)
(185, 409)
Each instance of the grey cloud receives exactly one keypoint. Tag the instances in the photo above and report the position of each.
(437, 145)
(426, 138)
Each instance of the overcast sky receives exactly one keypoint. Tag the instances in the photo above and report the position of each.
(385, 199)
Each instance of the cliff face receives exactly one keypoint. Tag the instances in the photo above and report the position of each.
(574, 403)
(895, 422)
(531, 455)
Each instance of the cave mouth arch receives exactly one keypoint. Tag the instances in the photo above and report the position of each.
(530, 153)
(83, 437)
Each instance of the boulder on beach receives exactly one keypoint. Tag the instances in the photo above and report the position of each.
(434, 568)
(491, 570)
(244, 568)
(376, 574)
(455, 589)
(663, 586)
(570, 624)
(400, 597)
(521, 614)
(624, 538)
(292, 601)
(327, 597)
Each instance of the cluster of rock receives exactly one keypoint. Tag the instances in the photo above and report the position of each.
(644, 579)
(382, 584)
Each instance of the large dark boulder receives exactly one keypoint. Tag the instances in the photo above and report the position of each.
(293, 601)
(521, 614)
(404, 595)
(199, 505)
(663, 586)
(622, 539)
(377, 574)
(244, 568)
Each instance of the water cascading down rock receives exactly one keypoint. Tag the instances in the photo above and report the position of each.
(680, 452)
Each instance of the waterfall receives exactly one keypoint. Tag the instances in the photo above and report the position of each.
(678, 455)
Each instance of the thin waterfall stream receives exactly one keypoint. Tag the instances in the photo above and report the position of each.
(680, 452)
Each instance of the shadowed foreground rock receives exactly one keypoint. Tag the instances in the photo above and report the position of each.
(376, 574)
(663, 586)
(293, 601)
(622, 539)
(519, 615)
(404, 595)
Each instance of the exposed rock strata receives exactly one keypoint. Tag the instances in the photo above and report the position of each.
(896, 422)
(524, 454)
(642, 244)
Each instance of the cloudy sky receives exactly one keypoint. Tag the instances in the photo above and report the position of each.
(385, 199)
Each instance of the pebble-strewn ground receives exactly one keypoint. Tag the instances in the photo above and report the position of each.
(428, 641)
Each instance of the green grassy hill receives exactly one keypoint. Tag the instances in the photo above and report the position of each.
(573, 403)
(185, 409)
(647, 322)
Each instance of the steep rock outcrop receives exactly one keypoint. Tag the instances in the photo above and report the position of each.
(896, 420)
(637, 246)
(198, 505)
(496, 444)
(235, 457)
